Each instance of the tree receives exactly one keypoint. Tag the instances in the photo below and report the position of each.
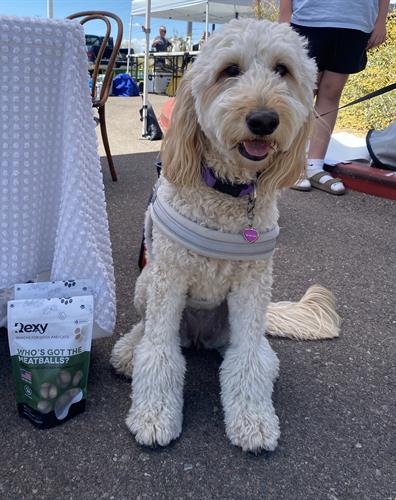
(268, 9)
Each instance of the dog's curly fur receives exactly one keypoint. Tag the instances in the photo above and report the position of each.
(208, 125)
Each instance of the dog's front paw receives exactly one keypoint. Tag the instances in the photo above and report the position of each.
(122, 354)
(154, 426)
(254, 432)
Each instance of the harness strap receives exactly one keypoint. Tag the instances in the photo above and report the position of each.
(202, 240)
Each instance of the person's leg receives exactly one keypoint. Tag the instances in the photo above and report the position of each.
(328, 97)
(304, 184)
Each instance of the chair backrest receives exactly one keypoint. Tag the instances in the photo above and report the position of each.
(98, 101)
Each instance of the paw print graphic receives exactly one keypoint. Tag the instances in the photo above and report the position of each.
(78, 335)
(69, 283)
(66, 300)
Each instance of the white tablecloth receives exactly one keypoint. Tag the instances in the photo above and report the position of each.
(52, 204)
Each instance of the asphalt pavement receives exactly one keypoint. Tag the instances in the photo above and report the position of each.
(335, 399)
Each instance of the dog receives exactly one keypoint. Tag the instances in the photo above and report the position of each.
(244, 111)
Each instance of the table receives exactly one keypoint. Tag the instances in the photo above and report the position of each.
(53, 213)
(173, 64)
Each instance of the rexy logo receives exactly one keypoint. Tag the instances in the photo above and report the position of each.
(39, 328)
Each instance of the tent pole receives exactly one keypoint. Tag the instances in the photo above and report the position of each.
(129, 41)
(146, 67)
(189, 35)
(50, 9)
(206, 19)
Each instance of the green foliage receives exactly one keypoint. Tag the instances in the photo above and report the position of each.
(265, 9)
(379, 112)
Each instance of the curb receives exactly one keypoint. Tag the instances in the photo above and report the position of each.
(366, 179)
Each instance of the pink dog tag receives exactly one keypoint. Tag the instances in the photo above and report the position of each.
(250, 234)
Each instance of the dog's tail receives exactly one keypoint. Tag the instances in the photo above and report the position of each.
(313, 317)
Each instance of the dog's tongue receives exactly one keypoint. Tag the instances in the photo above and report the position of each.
(256, 148)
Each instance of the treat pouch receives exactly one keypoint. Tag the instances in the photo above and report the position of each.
(50, 344)
(54, 289)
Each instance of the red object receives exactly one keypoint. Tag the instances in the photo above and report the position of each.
(366, 179)
(166, 113)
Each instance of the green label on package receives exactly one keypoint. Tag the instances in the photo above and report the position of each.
(50, 344)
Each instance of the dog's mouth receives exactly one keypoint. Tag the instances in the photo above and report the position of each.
(255, 150)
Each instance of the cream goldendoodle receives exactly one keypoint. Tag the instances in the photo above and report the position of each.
(237, 137)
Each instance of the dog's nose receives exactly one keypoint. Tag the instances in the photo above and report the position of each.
(262, 121)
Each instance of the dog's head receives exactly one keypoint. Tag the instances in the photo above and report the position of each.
(247, 101)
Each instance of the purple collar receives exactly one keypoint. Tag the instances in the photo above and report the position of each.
(226, 187)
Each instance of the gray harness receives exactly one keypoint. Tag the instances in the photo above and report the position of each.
(202, 240)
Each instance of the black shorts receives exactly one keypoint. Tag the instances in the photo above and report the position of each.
(341, 50)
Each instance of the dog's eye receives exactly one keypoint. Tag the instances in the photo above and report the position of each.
(281, 70)
(232, 70)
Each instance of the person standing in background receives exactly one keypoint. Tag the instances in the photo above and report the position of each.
(161, 43)
(339, 32)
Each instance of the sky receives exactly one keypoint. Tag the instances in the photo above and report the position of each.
(63, 8)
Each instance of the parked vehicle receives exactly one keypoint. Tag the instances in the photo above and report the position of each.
(94, 42)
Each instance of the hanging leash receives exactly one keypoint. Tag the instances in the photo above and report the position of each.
(366, 97)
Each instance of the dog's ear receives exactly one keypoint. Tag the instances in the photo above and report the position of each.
(183, 146)
(289, 166)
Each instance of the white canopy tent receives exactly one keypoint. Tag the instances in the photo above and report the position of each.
(207, 11)
(220, 11)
